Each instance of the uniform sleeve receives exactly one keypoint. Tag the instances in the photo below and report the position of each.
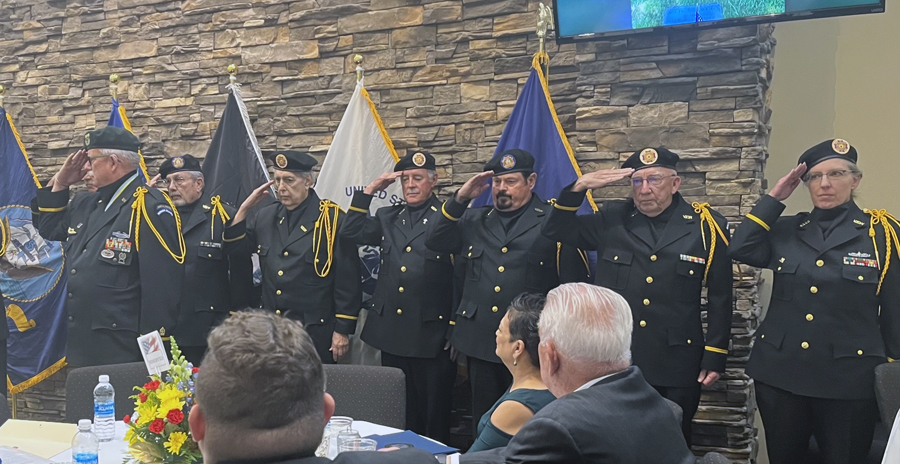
(347, 285)
(750, 244)
(445, 232)
(565, 226)
(52, 218)
(720, 306)
(358, 227)
(236, 245)
(161, 275)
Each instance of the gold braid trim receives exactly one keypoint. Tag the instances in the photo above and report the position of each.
(217, 208)
(880, 216)
(706, 216)
(327, 226)
(4, 235)
(139, 209)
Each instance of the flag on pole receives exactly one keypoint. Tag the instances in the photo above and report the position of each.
(234, 166)
(118, 118)
(534, 127)
(31, 272)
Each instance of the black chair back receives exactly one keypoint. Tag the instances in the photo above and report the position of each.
(887, 391)
(371, 393)
(5, 414)
(81, 381)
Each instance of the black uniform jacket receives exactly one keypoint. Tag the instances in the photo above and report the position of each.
(217, 274)
(291, 285)
(410, 311)
(498, 265)
(825, 329)
(661, 281)
(55, 227)
(119, 285)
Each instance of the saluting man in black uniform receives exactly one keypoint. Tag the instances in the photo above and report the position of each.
(504, 254)
(410, 311)
(658, 251)
(834, 313)
(217, 268)
(309, 274)
(124, 251)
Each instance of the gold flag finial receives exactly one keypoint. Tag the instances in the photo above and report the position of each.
(2, 94)
(358, 59)
(545, 22)
(232, 72)
(114, 86)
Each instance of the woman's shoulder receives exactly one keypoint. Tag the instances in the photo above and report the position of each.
(533, 398)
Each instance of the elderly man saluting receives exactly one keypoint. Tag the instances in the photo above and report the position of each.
(658, 251)
(308, 273)
(124, 251)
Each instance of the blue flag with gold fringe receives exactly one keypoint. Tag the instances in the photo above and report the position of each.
(534, 127)
(118, 118)
(31, 272)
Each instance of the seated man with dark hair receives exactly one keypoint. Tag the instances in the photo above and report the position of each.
(260, 397)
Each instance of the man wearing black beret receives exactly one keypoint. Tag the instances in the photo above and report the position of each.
(658, 251)
(124, 252)
(503, 254)
(309, 274)
(217, 268)
(410, 311)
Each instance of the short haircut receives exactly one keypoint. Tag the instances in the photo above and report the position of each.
(587, 324)
(262, 375)
(524, 313)
(127, 157)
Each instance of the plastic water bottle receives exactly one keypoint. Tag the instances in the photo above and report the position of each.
(85, 445)
(104, 410)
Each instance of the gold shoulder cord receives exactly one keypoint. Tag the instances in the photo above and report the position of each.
(581, 253)
(880, 216)
(139, 208)
(706, 216)
(327, 226)
(217, 208)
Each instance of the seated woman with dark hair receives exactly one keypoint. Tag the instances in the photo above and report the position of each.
(517, 347)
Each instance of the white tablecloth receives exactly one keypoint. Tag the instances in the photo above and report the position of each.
(892, 453)
(114, 452)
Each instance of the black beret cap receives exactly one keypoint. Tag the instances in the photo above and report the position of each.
(416, 160)
(179, 163)
(837, 148)
(115, 138)
(651, 158)
(507, 161)
(292, 160)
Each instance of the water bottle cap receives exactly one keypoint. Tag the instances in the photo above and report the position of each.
(104, 379)
(84, 424)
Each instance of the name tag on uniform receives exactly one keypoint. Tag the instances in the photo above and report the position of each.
(211, 244)
(853, 261)
(693, 259)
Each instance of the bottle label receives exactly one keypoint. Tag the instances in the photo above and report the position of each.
(105, 409)
(85, 458)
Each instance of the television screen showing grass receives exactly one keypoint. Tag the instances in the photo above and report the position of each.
(600, 18)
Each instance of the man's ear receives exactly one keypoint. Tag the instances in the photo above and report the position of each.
(532, 180)
(329, 407)
(197, 423)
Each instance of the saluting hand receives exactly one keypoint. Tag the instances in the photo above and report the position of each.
(382, 182)
(73, 170)
(152, 182)
(255, 197)
(601, 178)
(340, 343)
(474, 187)
(786, 185)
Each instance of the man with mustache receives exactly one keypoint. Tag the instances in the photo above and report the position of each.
(503, 254)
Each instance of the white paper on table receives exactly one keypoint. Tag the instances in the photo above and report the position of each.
(43, 439)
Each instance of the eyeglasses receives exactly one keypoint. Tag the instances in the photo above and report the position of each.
(653, 181)
(92, 158)
(832, 175)
(175, 180)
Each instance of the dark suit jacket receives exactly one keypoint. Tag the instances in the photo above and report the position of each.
(619, 420)
(499, 265)
(410, 311)
(407, 456)
(661, 280)
(826, 329)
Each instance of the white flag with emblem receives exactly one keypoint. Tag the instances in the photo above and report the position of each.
(360, 152)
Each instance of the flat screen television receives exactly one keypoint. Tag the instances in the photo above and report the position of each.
(598, 19)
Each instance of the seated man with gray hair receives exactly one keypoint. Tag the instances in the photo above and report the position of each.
(260, 397)
(123, 247)
(605, 412)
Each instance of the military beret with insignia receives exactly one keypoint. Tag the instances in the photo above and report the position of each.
(829, 149)
(179, 163)
(415, 160)
(651, 158)
(292, 160)
(507, 161)
(115, 138)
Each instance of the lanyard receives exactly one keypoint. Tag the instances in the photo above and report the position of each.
(119, 191)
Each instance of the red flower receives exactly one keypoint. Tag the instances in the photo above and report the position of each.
(175, 416)
(152, 385)
(142, 397)
(157, 426)
(195, 370)
(126, 419)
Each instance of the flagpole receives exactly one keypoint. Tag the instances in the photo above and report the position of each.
(232, 70)
(2, 94)
(114, 86)
(358, 59)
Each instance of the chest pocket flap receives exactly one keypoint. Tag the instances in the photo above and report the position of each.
(617, 256)
(860, 274)
(209, 252)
